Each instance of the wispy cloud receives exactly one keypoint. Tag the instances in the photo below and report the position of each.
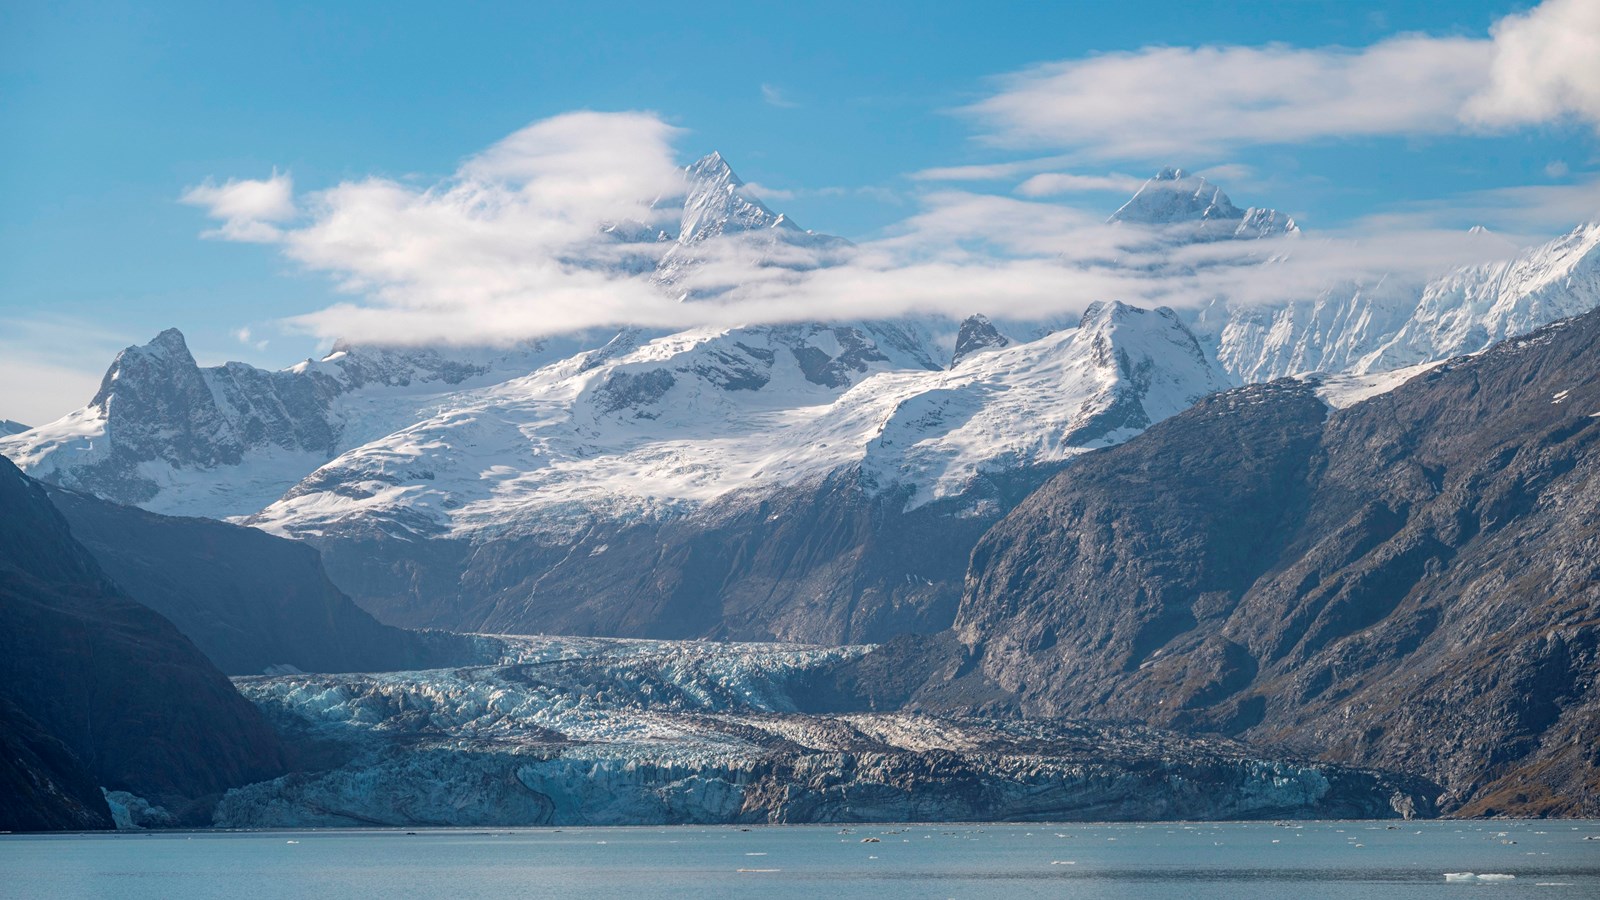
(990, 171)
(1151, 104)
(248, 337)
(512, 246)
(772, 96)
(1051, 184)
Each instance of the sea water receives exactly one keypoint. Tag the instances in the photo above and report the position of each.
(1236, 861)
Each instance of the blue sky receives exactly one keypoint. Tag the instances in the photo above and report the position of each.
(112, 111)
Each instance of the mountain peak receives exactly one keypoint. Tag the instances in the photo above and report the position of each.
(1176, 197)
(977, 334)
(168, 344)
(712, 167)
(716, 203)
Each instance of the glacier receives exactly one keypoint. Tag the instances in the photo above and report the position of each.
(602, 731)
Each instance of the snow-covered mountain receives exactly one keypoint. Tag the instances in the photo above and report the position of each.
(167, 434)
(720, 220)
(809, 481)
(684, 419)
(1192, 208)
(1387, 325)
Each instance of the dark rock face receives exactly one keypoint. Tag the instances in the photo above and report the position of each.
(976, 335)
(829, 563)
(249, 600)
(1411, 583)
(99, 690)
(43, 786)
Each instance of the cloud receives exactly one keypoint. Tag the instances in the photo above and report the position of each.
(1165, 101)
(772, 96)
(247, 337)
(1049, 184)
(53, 365)
(248, 208)
(989, 171)
(1546, 67)
(1160, 102)
(512, 244)
(1532, 210)
(552, 231)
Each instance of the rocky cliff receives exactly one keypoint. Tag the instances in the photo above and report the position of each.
(250, 601)
(98, 691)
(1410, 582)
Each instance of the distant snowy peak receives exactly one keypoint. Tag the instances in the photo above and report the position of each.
(1177, 198)
(8, 427)
(721, 220)
(1475, 306)
(716, 203)
(166, 433)
(1391, 323)
(976, 335)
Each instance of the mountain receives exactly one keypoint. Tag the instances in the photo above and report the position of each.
(99, 692)
(810, 481)
(250, 601)
(721, 220)
(1410, 582)
(976, 335)
(1195, 209)
(1389, 324)
(165, 433)
(8, 427)
(800, 482)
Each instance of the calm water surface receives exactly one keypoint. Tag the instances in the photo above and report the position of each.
(1233, 861)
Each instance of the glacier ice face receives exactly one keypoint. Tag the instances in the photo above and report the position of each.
(596, 731)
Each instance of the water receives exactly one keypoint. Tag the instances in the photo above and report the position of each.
(1233, 861)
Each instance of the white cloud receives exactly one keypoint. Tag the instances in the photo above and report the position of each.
(1193, 101)
(1546, 67)
(508, 247)
(247, 207)
(247, 337)
(511, 247)
(1161, 102)
(769, 193)
(1050, 184)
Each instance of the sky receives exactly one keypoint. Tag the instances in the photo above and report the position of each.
(268, 177)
